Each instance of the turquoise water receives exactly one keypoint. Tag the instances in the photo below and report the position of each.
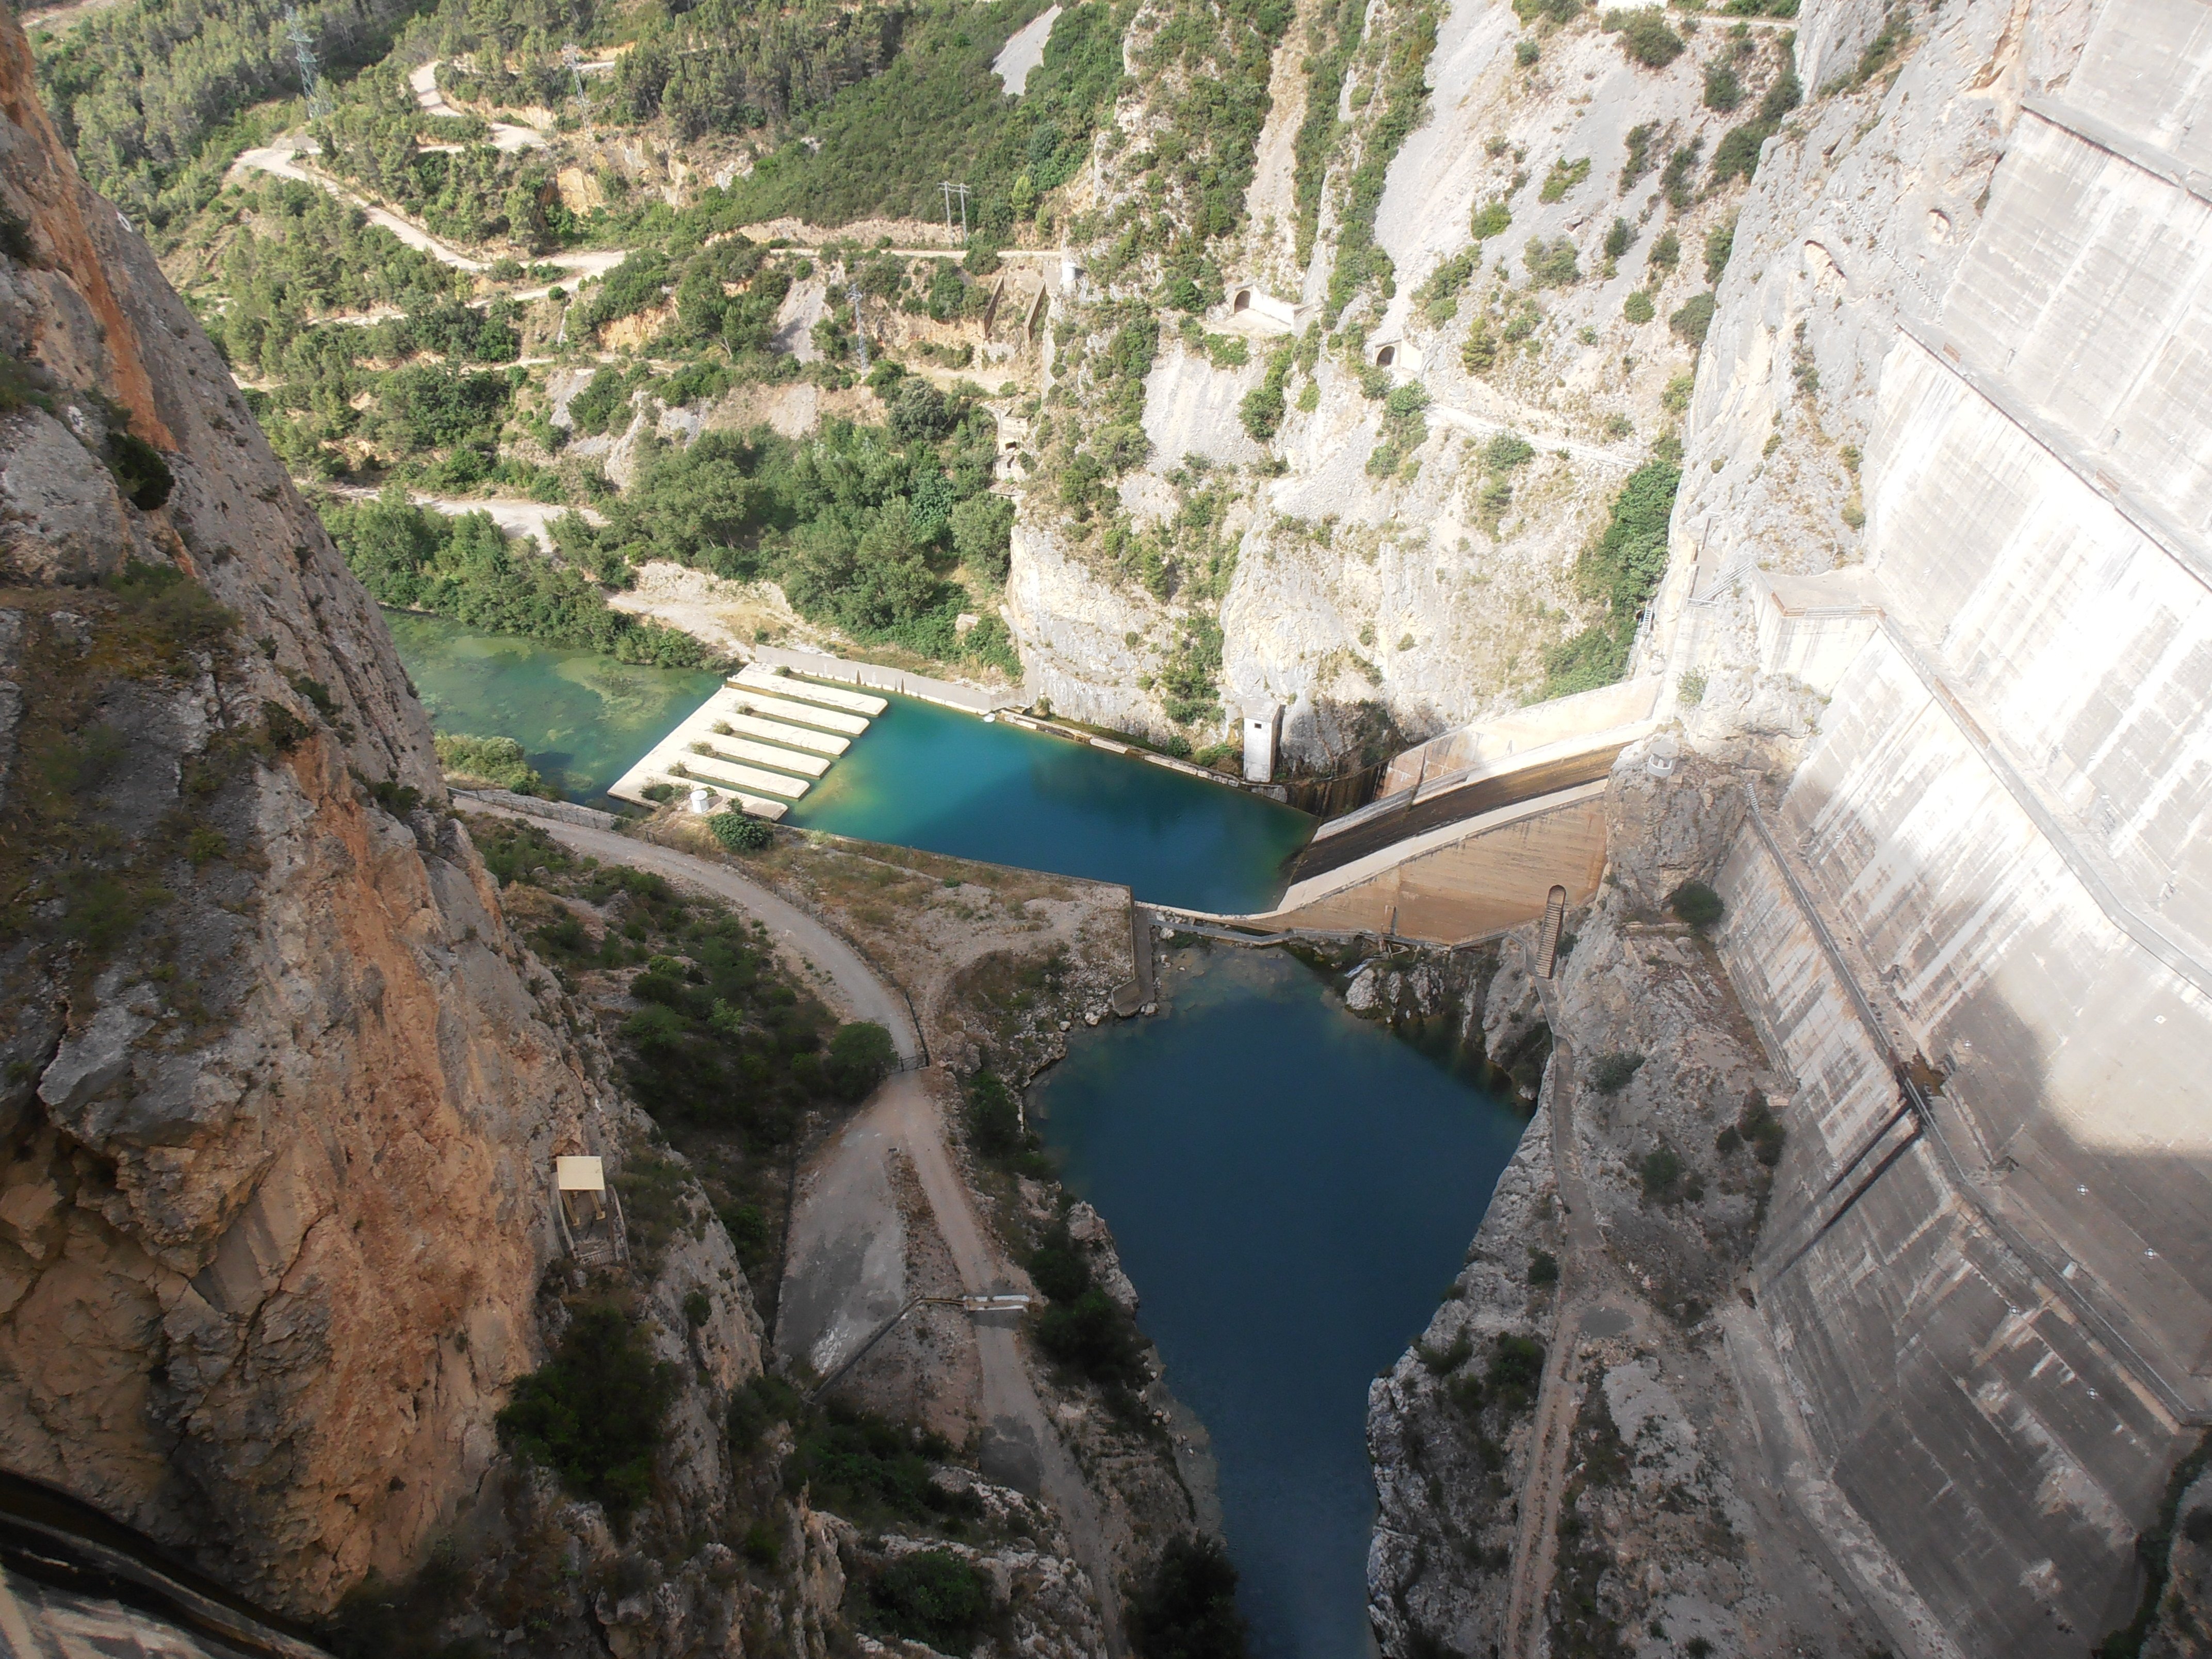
(920, 776)
(1292, 1189)
(928, 777)
(583, 719)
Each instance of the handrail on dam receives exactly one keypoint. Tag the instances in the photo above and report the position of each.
(2100, 1327)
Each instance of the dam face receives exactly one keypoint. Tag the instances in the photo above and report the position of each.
(1995, 1298)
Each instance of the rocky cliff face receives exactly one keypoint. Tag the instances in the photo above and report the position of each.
(281, 1090)
(1393, 564)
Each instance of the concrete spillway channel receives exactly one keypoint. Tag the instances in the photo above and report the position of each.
(761, 742)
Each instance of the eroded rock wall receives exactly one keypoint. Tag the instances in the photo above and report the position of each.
(281, 1089)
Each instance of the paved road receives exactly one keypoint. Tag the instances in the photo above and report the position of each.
(845, 1231)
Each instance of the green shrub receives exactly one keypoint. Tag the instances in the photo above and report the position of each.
(1720, 243)
(1622, 569)
(1646, 39)
(1186, 1608)
(497, 761)
(592, 1413)
(1082, 1329)
(740, 833)
(140, 472)
(1723, 90)
(1737, 152)
(1619, 237)
(1515, 1373)
(1543, 1267)
(933, 1596)
(1637, 308)
(1693, 321)
(1609, 1073)
(1564, 177)
(1551, 263)
(861, 1053)
(1526, 52)
(1441, 1362)
(1696, 904)
(1691, 687)
(1763, 1130)
(1506, 451)
(1661, 1170)
(1490, 219)
(867, 1469)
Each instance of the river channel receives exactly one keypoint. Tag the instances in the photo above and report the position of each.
(920, 776)
(1292, 1189)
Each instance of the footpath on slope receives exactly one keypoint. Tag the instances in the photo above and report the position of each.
(1020, 1442)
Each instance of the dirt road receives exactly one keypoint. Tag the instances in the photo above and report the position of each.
(865, 996)
(846, 1267)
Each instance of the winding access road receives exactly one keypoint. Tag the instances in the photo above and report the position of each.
(847, 1209)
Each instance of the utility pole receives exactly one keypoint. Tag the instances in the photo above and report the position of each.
(952, 191)
(574, 61)
(859, 334)
(310, 77)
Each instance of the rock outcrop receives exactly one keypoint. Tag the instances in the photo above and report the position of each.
(281, 1090)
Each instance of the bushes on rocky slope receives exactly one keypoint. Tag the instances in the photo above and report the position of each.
(1619, 571)
(1187, 1607)
(592, 1413)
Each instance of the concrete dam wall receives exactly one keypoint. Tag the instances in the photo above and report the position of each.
(1994, 1297)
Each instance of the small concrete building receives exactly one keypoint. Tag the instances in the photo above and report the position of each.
(1263, 723)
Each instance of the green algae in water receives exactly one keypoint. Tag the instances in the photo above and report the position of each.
(582, 719)
(1290, 1186)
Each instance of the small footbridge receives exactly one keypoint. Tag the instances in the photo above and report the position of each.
(1474, 830)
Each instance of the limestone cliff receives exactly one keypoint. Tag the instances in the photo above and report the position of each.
(281, 1090)
(1401, 550)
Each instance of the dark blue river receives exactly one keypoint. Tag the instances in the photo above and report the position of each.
(1292, 1189)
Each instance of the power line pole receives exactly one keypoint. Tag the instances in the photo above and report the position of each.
(310, 77)
(859, 334)
(574, 59)
(952, 191)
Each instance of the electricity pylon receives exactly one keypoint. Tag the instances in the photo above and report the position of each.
(310, 77)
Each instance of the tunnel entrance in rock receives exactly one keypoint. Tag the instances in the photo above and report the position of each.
(1242, 301)
(1386, 356)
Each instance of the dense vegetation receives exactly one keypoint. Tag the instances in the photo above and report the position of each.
(592, 1413)
(149, 96)
(1620, 571)
(1186, 1608)
(465, 567)
(499, 762)
(862, 525)
(1401, 69)
(1081, 1328)
(881, 144)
